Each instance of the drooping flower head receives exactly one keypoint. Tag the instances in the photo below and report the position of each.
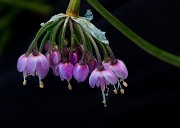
(71, 44)
(33, 65)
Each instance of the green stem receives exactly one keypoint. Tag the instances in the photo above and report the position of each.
(96, 50)
(45, 28)
(139, 41)
(55, 31)
(44, 40)
(73, 8)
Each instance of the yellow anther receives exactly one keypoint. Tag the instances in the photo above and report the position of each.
(41, 84)
(107, 94)
(122, 91)
(70, 87)
(115, 91)
(120, 80)
(125, 84)
(36, 73)
(104, 102)
(24, 82)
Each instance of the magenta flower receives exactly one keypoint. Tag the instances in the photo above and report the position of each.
(21, 66)
(39, 65)
(102, 78)
(92, 65)
(74, 56)
(119, 69)
(80, 72)
(54, 57)
(65, 71)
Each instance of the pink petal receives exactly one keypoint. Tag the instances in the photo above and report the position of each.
(66, 70)
(110, 76)
(80, 72)
(93, 78)
(31, 64)
(120, 69)
(21, 64)
(55, 57)
(41, 72)
(43, 61)
(56, 70)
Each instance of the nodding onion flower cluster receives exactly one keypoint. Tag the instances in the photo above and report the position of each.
(68, 45)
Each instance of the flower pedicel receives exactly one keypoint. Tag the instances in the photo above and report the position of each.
(67, 47)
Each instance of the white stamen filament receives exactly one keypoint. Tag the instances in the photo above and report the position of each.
(104, 98)
(107, 92)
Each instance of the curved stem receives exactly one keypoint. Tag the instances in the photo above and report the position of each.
(45, 28)
(96, 50)
(139, 41)
(44, 40)
(55, 31)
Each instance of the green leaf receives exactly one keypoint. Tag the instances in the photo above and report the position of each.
(139, 41)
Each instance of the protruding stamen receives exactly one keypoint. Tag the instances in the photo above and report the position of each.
(107, 92)
(41, 84)
(24, 82)
(119, 85)
(122, 91)
(115, 90)
(36, 73)
(104, 98)
(120, 80)
(69, 86)
(125, 84)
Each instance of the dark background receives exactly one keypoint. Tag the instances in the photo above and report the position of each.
(152, 97)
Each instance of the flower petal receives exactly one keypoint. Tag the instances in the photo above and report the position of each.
(41, 72)
(43, 61)
(80, 72)
(21, 64)
(93, 78)
(66, 70)
(120, 69)
(31, 64)
(109, 76)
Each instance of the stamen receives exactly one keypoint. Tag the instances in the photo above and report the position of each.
(69, 86)
(119, 86)
(125, 84)
(36, 73)
(104, 98)
(122, 91)
(41, 84)
(115, 90)
(24, 82)
(107, 92)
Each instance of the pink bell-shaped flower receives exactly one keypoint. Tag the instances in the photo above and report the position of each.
(39, 65)
(74, 56)
(80, 72)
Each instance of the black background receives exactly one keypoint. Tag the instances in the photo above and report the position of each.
(153, 94)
